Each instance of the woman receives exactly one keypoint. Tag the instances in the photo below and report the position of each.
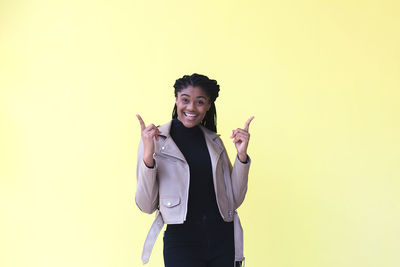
(183, 171)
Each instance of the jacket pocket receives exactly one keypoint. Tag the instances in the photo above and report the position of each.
(171, 209)
(170, 202)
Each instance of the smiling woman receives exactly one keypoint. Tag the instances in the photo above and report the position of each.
(184, 172)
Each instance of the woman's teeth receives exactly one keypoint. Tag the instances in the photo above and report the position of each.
(190, 115)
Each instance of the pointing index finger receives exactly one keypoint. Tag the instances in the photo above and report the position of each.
(247, 124)
(142, 125)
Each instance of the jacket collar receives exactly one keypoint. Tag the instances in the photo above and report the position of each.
(169, 147)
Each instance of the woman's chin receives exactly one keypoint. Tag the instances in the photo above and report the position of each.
(189, 123)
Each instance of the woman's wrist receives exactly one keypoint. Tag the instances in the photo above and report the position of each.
(242, 157)
(149, 161)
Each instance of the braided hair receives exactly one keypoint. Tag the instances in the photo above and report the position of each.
(210, 87)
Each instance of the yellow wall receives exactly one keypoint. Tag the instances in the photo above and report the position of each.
(321, 77)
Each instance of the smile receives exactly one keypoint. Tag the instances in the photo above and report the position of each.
(189, 115)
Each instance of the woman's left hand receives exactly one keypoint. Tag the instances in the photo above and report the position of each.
(241, 140)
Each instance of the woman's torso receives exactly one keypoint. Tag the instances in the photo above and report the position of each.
(203, 215)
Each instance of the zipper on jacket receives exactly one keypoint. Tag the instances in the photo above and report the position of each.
(228, 189)
(187, 192)
(215, 184)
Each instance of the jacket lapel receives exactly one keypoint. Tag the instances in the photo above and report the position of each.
(167, 144)
(214, 148)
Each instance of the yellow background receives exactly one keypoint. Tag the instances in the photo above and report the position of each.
(321, 78)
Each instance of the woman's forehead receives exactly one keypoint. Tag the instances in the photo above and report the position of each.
(193, 91)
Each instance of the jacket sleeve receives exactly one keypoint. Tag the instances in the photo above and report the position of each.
(146, 196)
(239, 174)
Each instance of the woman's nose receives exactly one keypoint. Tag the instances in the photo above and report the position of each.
(190, 106)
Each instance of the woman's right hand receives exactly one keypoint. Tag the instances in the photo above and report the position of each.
(148, 133)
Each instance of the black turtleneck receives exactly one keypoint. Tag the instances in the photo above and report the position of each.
(192, 144)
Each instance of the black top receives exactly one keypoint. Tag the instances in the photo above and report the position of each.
(192, 144)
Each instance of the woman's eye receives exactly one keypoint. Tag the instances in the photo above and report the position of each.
(200, 102)
(184, 100)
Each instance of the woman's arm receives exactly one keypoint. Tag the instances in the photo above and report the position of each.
(146, 196)
(240, 170)
(239, 177)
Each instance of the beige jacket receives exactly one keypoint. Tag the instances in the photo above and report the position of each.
(165, 187)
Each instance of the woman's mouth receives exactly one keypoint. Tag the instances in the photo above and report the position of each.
(190, 116)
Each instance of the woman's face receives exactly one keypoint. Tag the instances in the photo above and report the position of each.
(192, 104)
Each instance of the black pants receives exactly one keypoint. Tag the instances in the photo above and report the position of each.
(206, 241)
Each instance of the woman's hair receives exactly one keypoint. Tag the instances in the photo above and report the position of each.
(210, 87)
